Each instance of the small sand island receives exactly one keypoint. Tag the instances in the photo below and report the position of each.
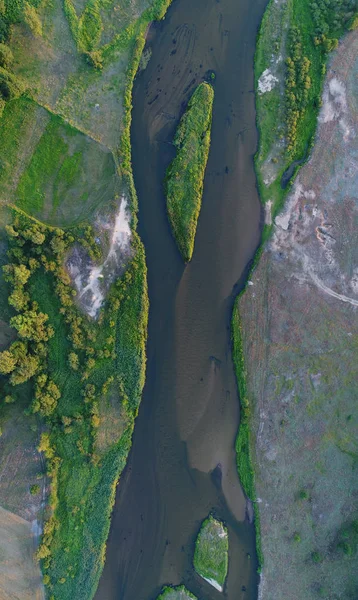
(211, 552)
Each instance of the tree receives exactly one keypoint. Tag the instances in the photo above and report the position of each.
(11, 232)
(7, 362)
(45, 445)
(73, 361)
(19, 299)
(46, 398)
(6, 57)
(353, 24)
(58, 244)
(26, 368)
(35, 489)
(32, 19)
(31, 325)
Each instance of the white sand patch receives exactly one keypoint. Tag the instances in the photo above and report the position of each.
(270, 179)
(93, 288)
(345, 129)
(214, 583)
(121, 235)
(334, 101)
(354, 282)
(92, 282)
(283, 220)
(268, 212)
(266, 82)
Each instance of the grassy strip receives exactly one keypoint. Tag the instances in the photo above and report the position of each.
(178, 592)
(244, 449)
(211, 551)
(185, 175)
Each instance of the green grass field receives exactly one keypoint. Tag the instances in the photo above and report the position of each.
(185, 175)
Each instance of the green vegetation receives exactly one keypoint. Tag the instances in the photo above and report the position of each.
(211, 552)
(109, 355)
(305, 32)
(347, 539)
(243, 446)
(185, 175)
(60, 162)
(178, 592)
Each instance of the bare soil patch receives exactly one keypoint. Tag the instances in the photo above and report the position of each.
(20, 576)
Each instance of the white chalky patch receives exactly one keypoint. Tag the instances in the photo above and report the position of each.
(334, 101)
(268, 212)
(91, 286)
(266, 82)
(214, 583)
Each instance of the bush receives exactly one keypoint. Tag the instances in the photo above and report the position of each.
(6, 56)
(32, 19)
(10, 86)
(35, 489)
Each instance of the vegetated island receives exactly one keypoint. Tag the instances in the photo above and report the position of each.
(178, 592)
(185, 175)
(211, 552)
(73, 288)
(294, 326)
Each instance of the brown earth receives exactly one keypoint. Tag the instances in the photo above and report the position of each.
(20, 577)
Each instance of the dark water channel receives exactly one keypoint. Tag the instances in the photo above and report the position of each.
(182, 463)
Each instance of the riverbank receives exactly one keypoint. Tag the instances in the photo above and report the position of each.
(288, 96)
(294, 329)
(67, 165)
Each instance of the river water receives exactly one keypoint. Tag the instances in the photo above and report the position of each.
(182, 463)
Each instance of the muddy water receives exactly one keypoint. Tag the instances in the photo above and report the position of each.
(182, 463)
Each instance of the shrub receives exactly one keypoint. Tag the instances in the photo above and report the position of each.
(6, 57)
(7, 362)
(32, 19)
(35, 489)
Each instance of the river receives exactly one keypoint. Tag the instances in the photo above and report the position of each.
(182, 462)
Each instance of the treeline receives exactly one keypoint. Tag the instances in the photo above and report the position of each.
(297, 85)
(327, 20)
(331, 18)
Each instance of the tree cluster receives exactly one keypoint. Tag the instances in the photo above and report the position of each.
(330, 17)
(297, 86)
